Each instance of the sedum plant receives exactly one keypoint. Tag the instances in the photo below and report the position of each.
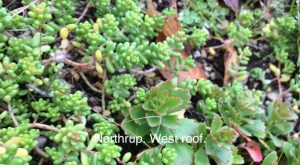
(27, 138)
(159, 114)
(237, 106)
(103, 127)
(72, 137)
(158, 156)
(119, 86)
(107, 153)
(12, 155)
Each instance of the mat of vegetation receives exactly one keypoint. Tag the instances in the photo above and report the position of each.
(187, 82)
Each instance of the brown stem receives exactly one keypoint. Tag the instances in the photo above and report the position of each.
(41, 161)
(120, 161)
(22, 9)
(86, 9)
(63, 117)
(89, 84)
(68, 62)
(81, 52)
(75, 64)
(279, 87)
(40, 152)
(44, 126)
(103, 93)
(12, 116)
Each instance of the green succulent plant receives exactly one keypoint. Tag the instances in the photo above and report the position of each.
(103, 126)
(159, 114)
(28, 137)
(108, 152)
(12, 155)
(45, 43)
(72, 137)
(119, 86)
(59, 156)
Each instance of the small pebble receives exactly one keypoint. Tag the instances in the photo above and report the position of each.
(210, 58)
(213, 75)
(197, 54)
(203, 53)
(288, 97)
(208, 69)
(272, 96)
(207, 74)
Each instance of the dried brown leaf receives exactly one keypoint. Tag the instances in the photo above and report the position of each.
(151, 10)
(171, 27)
(232, 4)
(192, 73)
(231, 57)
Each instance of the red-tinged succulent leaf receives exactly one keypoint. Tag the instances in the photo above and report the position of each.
(242, 134)
(185, 97)
(254, 150)
(251, 147)
(279, 111)
(232, 4)
(225, 135)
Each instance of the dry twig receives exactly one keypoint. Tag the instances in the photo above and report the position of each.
(89, 84)
(12, 116)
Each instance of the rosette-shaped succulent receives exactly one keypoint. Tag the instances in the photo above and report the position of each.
(159, 114)
(72, 137)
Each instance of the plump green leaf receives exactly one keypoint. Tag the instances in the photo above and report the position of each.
(279, 111)
(153, 119)
(216, 124)
(131, 128)
(163, 134)
(201, 130)
(201, 158)
(151, 155)
(137, 115)
(170, 121)
(271, 159)
(186, 127)
(276, 141)
(184, 153)
(219, 154)
(292, 153)
(236, 158)
(281, 127)
(256, 128)
(170, 105)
